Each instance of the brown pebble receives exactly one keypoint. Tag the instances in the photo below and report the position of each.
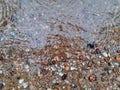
(4, 23)
(118, 58)
(1, 59)
(80, 80)
(1, 31)
(44, 71)
(44, 63)
(67, 68)
(92, 78)
(106, 59)
(81, 57)
(97, 51)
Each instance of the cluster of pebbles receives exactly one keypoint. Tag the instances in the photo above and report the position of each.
(63, 64)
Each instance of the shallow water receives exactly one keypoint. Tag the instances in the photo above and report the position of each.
(38, 18)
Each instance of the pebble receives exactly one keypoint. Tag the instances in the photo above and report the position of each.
(21, 81)
(116, 64)
(118, 58)
(67, 68)
(64, 76)
(80, 80)
(1, 86)
(53, 68)
(1, 72)
(118, 78)
(90, 45)
(105, 54)
(27, 68)
(68, 55)
(49, 89)
(118, 51)
(73, 68)
(97, 51)
(61, 74)
(92, 78)
(25, 85)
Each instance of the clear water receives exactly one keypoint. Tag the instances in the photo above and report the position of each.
(34, 17)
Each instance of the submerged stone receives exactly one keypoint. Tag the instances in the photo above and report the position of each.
(90, 45)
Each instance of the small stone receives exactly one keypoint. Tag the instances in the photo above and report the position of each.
(97, 51)
(25, 85)
(27, 68)
(1, 86)
(81, 57)
(92, 78)
(73, 68)
(74, 85)
(5, 23)
(61, 74)
(67, 68)
(68, 55)
(1, 59)
(90, 45)
(118, 78)
(53, 62)
(44, 63)
(118, 58)
(53, 68)
(64, 77)
(21, 81)
(1, 72)
(105, 54)
(49, 89)
(40, 89)
(118, 51)
(80, 80)
(106, 59)
(32, 87)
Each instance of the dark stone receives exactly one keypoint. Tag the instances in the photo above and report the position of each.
(90, 45)
(109, 64)
(97, 51)
(106, 69)
(1, 86)
(64, 77)
(74, 86)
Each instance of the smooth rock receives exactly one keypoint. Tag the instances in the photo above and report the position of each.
(21, 81)
(1, 86)
(25, 85)
(73, 68)
(49, 89)
(105, 54)
(1, 72)
(118, 58)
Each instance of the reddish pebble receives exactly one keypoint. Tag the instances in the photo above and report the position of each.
(92, 78)
(1, 59)
(53, 62)
(44, 63)
(81, 57)
(97, 51)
